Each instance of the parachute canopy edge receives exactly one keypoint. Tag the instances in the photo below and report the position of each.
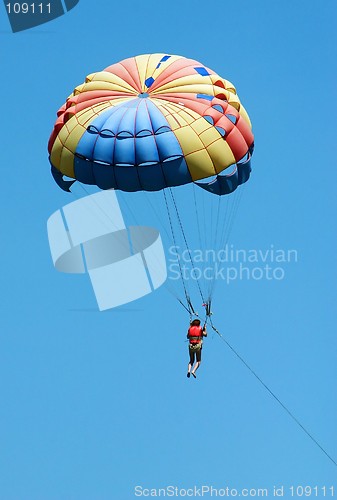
(225, 184)
(60, 181)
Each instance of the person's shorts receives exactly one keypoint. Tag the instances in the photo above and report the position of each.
(195, 354)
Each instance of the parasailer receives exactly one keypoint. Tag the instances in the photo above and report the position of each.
(195, 336)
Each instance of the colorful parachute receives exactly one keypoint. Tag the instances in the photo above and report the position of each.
(151, 122)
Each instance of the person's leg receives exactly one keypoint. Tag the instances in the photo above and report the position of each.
(197, 364)
(190, 364)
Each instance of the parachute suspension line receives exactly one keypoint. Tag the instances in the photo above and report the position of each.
(201, 243)
(272, 393)
(207, 238)
(231, 203)
(204, 216)
(224, 223)
(123, 243)
(168, 288)
(132, 215)
(162, 224)
(187, 247)
(230, 217)
(235, 211)
(197, 214)
(219, 236)
(187, 297)
(189, 307)
(210, 221)
(214, 239)
(155, 211)
(159, 266)
(101, 211)
(208, 309)
(216, 242)
(202, 240)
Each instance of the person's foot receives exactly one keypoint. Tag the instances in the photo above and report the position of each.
(188, 375)
(194, 375)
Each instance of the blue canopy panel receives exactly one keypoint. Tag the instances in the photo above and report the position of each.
(172, 172)
(129, 147)
(226, 184)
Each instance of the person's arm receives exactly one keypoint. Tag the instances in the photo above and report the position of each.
(204, 332)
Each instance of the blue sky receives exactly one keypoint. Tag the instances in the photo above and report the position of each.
(93, 404)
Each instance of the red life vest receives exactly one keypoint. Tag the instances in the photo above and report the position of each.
(195, 334)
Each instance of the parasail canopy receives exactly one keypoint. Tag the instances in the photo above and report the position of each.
(151, 122)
